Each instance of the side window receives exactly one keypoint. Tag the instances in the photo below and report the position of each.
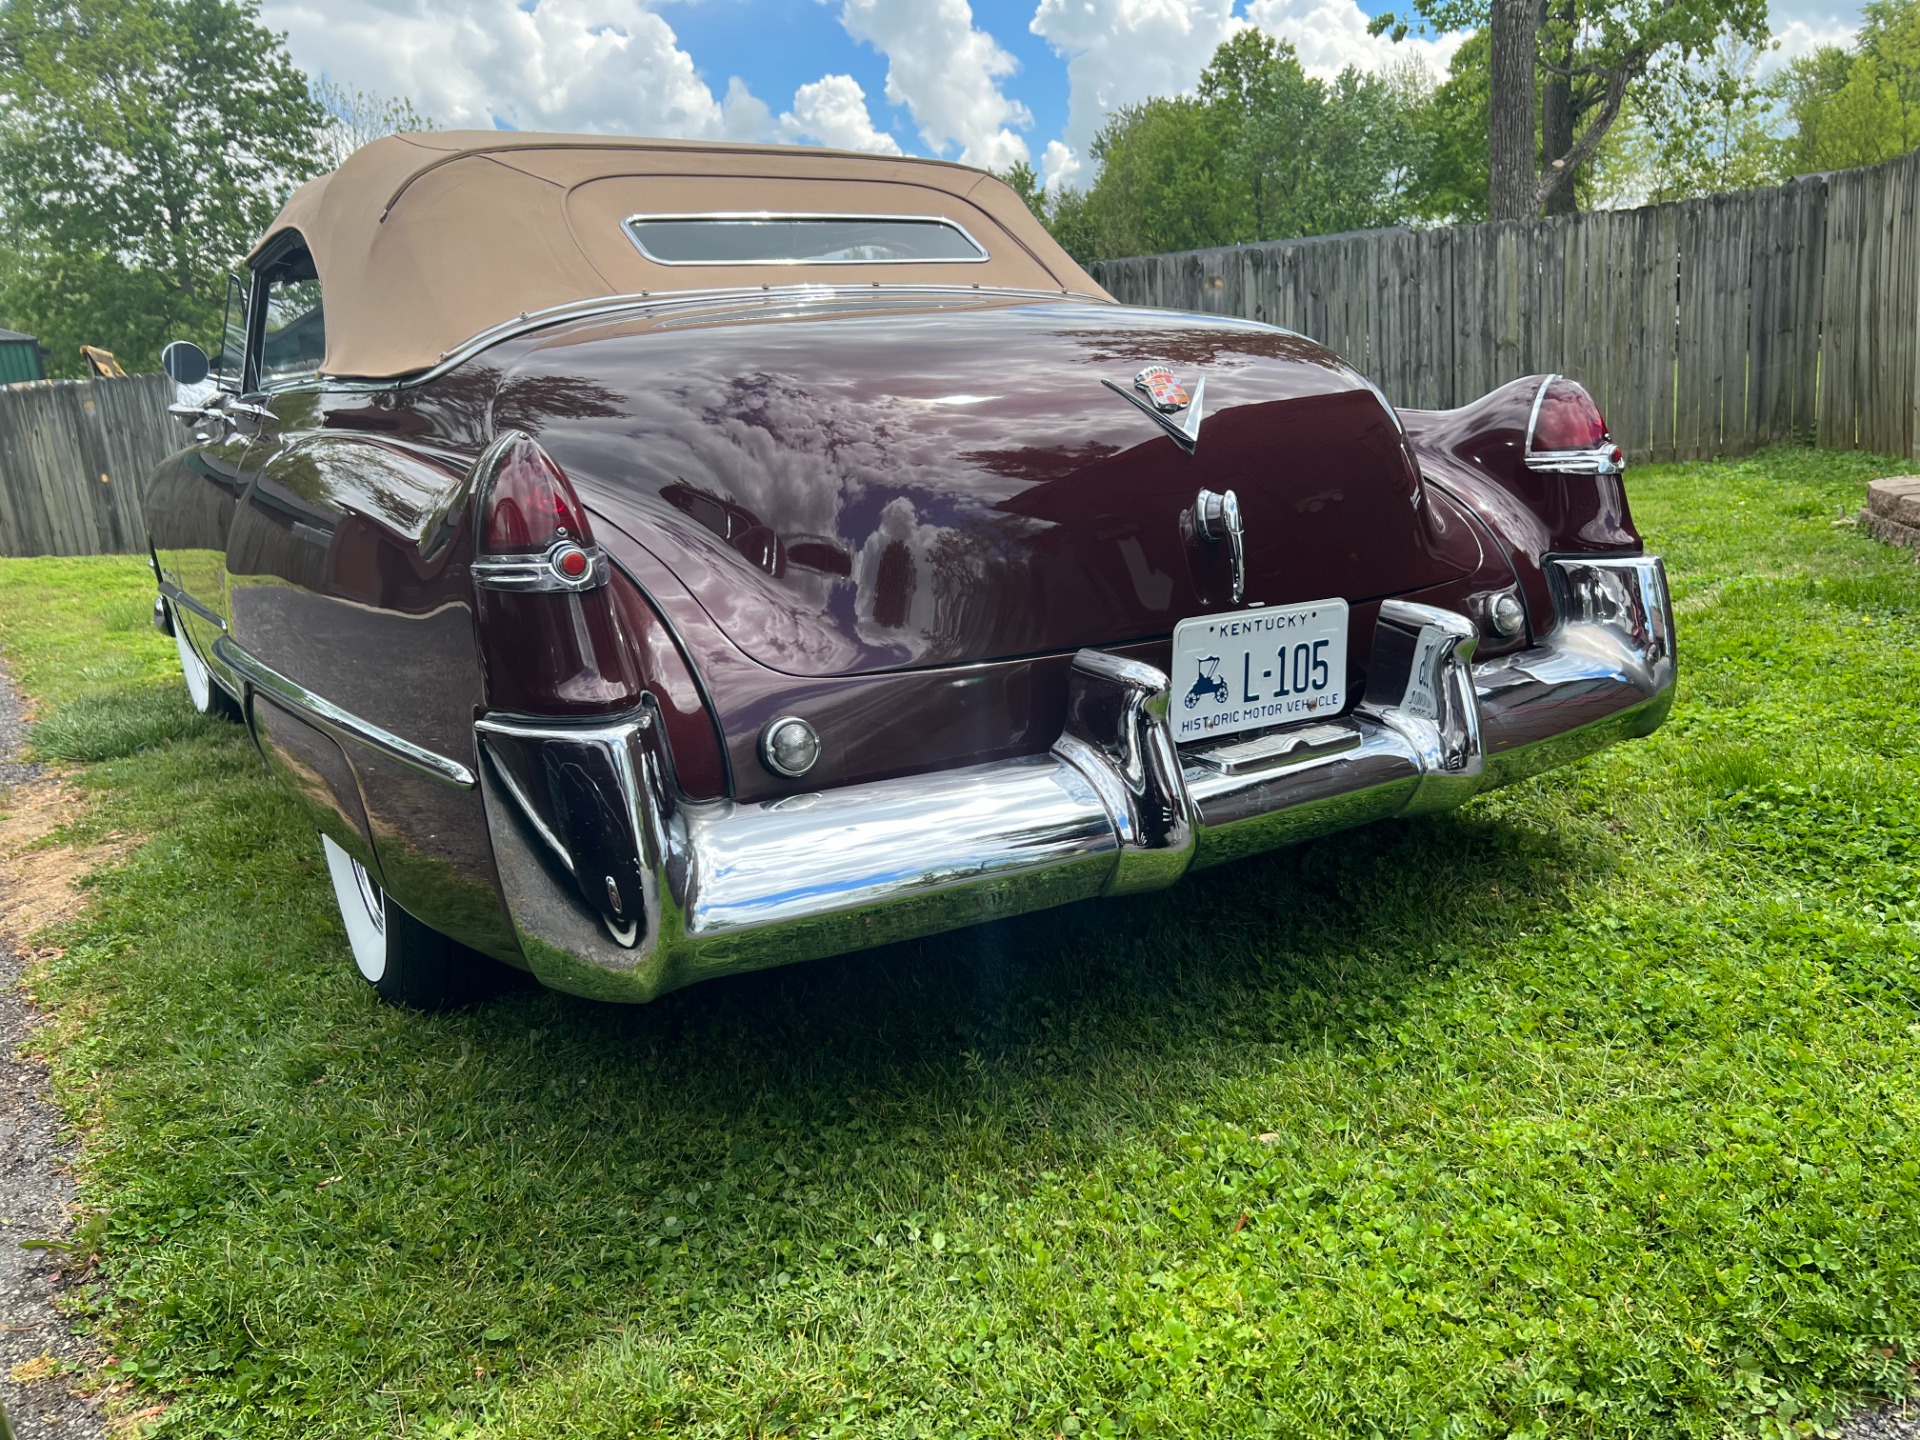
(227, 361)
(293, 337)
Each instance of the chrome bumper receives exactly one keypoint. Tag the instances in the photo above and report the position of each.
(620, 890)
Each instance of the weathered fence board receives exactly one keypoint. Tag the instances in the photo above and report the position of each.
(73, 454)
(1704, 327)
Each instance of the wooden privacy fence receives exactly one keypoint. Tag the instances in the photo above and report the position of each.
(73, 454)
(1704, 327)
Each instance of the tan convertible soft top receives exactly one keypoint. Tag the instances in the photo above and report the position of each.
(424, 241)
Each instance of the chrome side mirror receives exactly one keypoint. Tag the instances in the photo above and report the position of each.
(187, 366)
(185, 363)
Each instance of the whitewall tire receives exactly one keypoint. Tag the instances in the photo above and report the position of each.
(363, 910)
(406, 962)
(203, 691)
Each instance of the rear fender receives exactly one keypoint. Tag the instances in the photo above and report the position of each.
(1478, 453)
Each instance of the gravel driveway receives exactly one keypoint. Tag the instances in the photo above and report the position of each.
(36, 1194)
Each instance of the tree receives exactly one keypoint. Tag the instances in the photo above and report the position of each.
(1264, 151)
(1164, 182)
(1589, 54)
(1694, 128)
(359, 117)
(1859, 106)
(1310, 158)
(144, 146)
(1449, 183)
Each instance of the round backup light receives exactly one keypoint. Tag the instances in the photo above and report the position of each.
(789, 746)
(571, 561)
(1509, 615)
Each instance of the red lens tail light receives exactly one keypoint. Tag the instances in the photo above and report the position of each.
(551, 639)
(530, 503)
(1568, 432)
(1568, 420)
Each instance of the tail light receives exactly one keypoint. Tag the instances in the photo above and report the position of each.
(533, 529)
(551, 638)
(1568, 434)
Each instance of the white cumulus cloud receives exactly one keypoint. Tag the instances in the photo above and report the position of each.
(833, 111)
(1120, 52)
(1059, 165)
(595, 65)
(1330, 35)
(1803, 36)
(947, 74)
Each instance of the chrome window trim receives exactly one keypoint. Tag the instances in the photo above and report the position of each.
(980, 256)
(272, 683)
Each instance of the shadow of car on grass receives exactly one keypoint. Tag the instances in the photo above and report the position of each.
(1309, 945)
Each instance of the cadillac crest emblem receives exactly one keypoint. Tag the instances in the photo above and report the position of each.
(1169, 396)
(1160, 395)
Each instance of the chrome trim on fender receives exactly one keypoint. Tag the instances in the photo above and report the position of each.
(620, 889)
(272, 683)
(1601, 460)
(542, 573)
(176, 596)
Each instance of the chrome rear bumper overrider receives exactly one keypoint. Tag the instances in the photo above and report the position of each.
(621, 890)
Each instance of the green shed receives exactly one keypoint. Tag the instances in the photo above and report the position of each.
(21, 358)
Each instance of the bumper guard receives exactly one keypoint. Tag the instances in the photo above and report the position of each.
(620, 890)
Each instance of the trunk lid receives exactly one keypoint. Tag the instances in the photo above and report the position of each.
(855, 484)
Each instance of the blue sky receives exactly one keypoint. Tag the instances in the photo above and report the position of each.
(988, 82)
(778, 48)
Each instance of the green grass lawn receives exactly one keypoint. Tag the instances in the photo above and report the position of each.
(1591, 1109)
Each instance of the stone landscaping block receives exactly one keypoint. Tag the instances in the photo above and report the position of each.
(1893, 510)
(1897, 497)
(1891, 531)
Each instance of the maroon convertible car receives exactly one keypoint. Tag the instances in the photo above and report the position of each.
(652, 560)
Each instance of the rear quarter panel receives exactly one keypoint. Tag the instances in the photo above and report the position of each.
(347, 574)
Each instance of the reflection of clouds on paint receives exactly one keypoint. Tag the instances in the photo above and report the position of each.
(928, 588)
(964, 477)
(891, 603)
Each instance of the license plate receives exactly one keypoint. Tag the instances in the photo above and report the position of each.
(1253, 668)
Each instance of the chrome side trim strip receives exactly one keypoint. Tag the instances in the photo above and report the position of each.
(175, 595)
(316, 707)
